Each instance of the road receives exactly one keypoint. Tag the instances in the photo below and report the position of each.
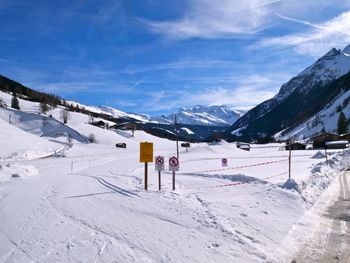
(330, 242)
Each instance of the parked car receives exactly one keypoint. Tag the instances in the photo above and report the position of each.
(185, 144)
(121, 145)
(243, 146)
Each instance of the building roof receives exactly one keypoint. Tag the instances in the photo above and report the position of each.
(336, 142)
(324, 133)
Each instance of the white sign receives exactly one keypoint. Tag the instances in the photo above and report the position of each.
(224, 162)
(173, 164)
(159, 163)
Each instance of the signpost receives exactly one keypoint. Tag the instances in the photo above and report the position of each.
(224, 162)
(146, 156)
(290, 163)
(173, 167)
(159, 165)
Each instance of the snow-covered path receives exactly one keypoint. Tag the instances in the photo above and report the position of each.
(330, 240)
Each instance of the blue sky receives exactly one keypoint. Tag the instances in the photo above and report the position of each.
(155, 56)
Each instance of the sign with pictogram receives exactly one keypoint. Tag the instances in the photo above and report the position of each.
(146, 152)
(159, 163)
(224, 162)
(173, 164)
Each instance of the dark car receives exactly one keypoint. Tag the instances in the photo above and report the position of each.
(243, 146)
(185, 144)
(121, 145)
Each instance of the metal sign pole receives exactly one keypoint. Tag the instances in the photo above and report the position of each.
(159, 181)
(173, 180)
(146, 175)
(177, 138)
(290, 161)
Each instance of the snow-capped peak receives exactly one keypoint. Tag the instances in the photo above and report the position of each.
(334, 64)
(346, 50)
(203, 115)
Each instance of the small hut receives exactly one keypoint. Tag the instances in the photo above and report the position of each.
(100, 124)
(295, 146)
(319, 140)
(337, 145)
(345, 137)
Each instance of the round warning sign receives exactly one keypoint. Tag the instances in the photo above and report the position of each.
(173, 164)
(224, 162)
(159, 163)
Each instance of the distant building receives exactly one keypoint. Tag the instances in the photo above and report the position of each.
(100, 124)
(295, 146)
(344, 137)
(243, 146)
(337, 144)
(185, 144)
(319, 140)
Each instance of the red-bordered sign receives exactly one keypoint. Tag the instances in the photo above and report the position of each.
(159, 163)
(173, 164)
(224, 162)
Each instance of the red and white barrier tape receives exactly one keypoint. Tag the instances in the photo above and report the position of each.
(235, 183)
(234, 168)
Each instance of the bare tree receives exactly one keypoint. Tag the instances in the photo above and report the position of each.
(91, 118)
(64, 114)
(2, 103)
(44, 107)
(44, 121)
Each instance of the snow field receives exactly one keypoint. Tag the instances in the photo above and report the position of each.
(88, 204)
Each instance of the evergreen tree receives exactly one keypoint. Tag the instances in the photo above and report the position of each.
(342, 124)
(14, 102)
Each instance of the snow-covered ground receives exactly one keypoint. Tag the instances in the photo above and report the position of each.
(87, 204)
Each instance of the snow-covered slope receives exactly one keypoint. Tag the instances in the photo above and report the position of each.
(203, 115)
(326, 120)
(40, 125)
(18, 144)
(120, 114)
(332, 65)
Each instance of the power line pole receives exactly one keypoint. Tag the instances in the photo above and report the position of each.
(177, 137)
(290, 162)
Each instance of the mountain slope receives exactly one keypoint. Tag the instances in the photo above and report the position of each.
(298, 99)
(202, 115)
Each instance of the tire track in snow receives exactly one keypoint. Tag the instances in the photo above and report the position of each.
(337, 245)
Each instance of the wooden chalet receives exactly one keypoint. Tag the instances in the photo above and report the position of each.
(337, 144)
(100, 124)
(319, 140)
(344, 137)
(295, 146)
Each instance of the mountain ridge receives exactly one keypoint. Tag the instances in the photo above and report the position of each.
(295, 96)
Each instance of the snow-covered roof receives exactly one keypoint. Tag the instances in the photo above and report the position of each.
(336, 142)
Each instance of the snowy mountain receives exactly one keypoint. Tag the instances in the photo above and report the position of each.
(298, 100)
(203, 115)
(120, 114)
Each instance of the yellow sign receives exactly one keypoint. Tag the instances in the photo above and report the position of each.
(146, 152)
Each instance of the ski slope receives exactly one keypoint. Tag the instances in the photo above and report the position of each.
(87, 204)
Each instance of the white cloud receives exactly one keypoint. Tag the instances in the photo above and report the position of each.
(232, 18)
(318, 39)
(247, 92)
(221, 18)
